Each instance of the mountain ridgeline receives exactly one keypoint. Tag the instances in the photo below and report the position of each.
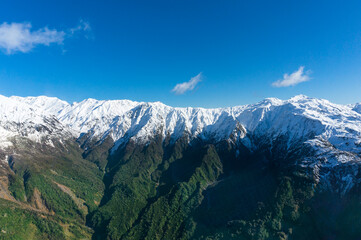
(278, 169)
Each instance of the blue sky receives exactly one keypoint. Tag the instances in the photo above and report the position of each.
(220, 53)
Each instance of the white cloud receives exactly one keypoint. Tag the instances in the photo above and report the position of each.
(181, 88)
(82, 26)
(292, 79)
(19, 37)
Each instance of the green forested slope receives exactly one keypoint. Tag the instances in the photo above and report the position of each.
(164, 190)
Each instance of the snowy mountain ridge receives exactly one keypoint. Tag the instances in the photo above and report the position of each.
(299, 117)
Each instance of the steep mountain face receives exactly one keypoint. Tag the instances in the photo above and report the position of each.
(135, 170)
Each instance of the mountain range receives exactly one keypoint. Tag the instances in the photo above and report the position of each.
(120, 169)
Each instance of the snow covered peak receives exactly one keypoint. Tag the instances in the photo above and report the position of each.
(13, 111)
(20, 119)
(51, 105)
(267, 102)
(92, 114)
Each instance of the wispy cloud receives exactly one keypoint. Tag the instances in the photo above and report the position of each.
(293, 78)
(181, 88)
(83, 26)
(19, 37)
